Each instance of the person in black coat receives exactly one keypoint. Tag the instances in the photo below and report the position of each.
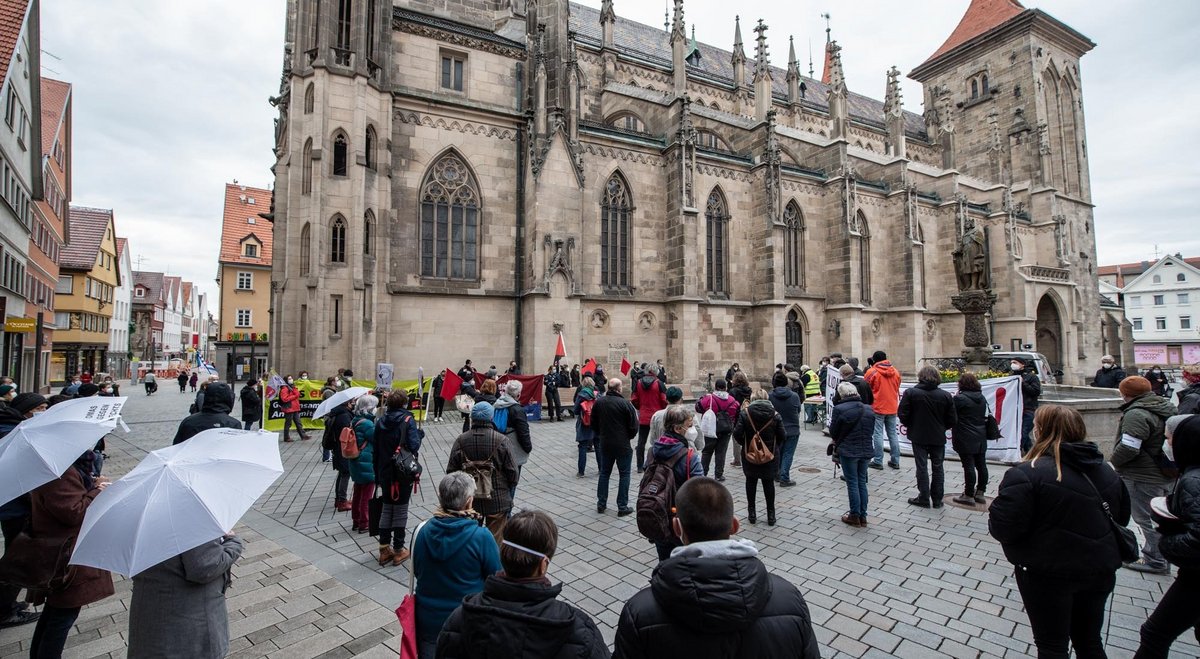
(214, 413)
(395, 428)
(553, 402)
(615, 423)
(714, 598)
(969, 439)
(339, 417)
(760, 415)
(1031, 390)
(860, 384)
(927, 412)
(787, 404)
(1179, 608)
(1109, 375)
(1050, 520)
(251, 404)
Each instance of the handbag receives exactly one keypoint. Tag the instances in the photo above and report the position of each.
(406, 613)
(991, 427)
(38, 562)
(1127, 543)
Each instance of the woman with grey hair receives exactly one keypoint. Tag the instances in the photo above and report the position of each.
(453, 555)
(673, 445)
(362, 468)
(514, 425)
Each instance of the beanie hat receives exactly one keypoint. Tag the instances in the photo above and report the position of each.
(6, 389)
(1134, 386)
(88, 389)
(25, 402)
(879, 356)
(483, 411)
(846, 370)
(1191, 373)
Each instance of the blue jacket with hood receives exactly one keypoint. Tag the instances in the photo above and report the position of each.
(452, 558)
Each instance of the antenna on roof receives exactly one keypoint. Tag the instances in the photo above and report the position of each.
(1156, 252)
(139, 261)
(811, 73)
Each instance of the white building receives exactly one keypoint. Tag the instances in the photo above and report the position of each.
(118, 343)
(1162, 301)
(200, 325)
(173, 317)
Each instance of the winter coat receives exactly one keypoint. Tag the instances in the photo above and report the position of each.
(289, 399)
(741, 393)
(218, 403)
(583, 433)
(481, 397)
(787, 404)
(178, 606)
(720, 402)
(338, 418)
(615, 422)
(362, 468)
(1109, 378)
(1059, 527)
(664, 449)
(451, 558)
(658, 428)
(649, 396)
(864, 390)
(927, 412)
(1158, 381)
(885, 387)
(182, 379)
(251, 405)
(716, 600)
(517, 431)
(1140, 438)
(58, 508)
(1180, 543)
(395, 428)
(1189, 399)
(770, 431)
(969, 435)
(480, 443)
(576, 378)
(852, 429)
(550, 381)
(1031, 390)
(519, 619)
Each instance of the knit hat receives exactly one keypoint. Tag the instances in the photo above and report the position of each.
(483, 411)
(6, 389)
(846, 371)
(1134, 386)
(88, 389)
(1191, 373)
(674, 393)
(25, 402)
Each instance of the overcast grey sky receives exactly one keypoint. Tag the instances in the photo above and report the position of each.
(170, 103)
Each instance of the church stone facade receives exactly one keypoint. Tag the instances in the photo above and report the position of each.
(463, 179)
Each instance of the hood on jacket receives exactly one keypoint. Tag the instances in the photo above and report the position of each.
(1153, 403)
(664, 448)
(721, 394)
(927, 386)
(518, 615)
(717, 587)
(648, 380)
(781, 393)
(761, 409)
(885, 369)
(9, 419)
(218, 399)
(446, 536)
(1081, 454)
(505, 401)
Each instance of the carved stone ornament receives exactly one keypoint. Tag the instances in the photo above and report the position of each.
(877, 326)
(931, 329)
(599, 319)
(974, 305)
(971, 261)
(646, 321)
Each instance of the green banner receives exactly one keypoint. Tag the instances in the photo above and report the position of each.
(310, 398)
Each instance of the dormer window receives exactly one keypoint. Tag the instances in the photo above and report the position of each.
(250, 250)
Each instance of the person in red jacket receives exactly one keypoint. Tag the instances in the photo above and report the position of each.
(885, 390)
(289, 404)
(649, 396)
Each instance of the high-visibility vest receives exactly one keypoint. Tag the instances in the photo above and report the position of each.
(813, 387)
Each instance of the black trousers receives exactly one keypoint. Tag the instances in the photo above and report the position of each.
(768, 486)
(554, 403)
(1177, 611)
(640, 455)
(924, 456)
(1065, 612)
(975, 473)
(50, 634)
(8, 594)
(720, 446)
(439, 404)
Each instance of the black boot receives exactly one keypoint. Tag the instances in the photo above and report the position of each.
(750, 516)
(770, 517)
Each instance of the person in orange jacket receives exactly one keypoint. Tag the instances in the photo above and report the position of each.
(289, 404)
(885, 390)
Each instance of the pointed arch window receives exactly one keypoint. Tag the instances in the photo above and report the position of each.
(305, 250)
(309, 98)
(306, 165)
(368, 226)
(450, 206)
(716, 216)
(615, 209)
(341, 147)
(794, 338)
(793, 246)
(862, 247)
(369, 147)
(337, 240)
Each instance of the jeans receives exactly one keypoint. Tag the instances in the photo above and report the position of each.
(930, 491)
(887, 423)
(974, 465)
(360, 510)
(553, 403)
(855, 471)
(622, 457)
(1140, 495)
(719, 446)
(810, 412)
(1177, 611)
(1063, 610)
(50, 634)
(8, 594)
(643, 433)
(1026, 428)
(785, 457)
(583, 451)
(290, 418)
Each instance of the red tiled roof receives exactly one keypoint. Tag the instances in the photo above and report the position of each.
(87, 226)
(237, 226)
(54, 107)
(187, 293)
(122, 245)
(171, 289)
(982, 16)
(827, 73)
(12, 17)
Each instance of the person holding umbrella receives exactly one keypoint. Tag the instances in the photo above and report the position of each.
(14, 515)
(214, 413)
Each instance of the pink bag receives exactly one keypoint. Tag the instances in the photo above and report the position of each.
(407, 614)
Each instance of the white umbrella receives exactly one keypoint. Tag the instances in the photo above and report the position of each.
(177, 498)
(343, 396)
(42, 448)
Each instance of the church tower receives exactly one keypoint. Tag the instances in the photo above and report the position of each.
(332, 179)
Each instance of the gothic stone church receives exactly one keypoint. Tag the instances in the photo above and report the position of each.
(463, 178)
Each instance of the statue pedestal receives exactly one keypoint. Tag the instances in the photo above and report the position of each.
(974, 305)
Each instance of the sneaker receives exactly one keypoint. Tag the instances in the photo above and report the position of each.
(600, 508)
(20, 618)
(876, 465)
(918, 502)
(622, 512)
(787, 483)
(980, 497)
(1141, 565)
(965, 499)
(329, 459)
(894, 465)
(580, 475)
(720, 479)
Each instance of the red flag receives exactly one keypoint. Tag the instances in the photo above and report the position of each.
(560, 350)
(451, 384)
(589, 367)
(625, 366)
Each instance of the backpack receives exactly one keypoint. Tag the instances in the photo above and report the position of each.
(656, 498)
(756, 451)
(724, 424)
(586, 405)
(500, 419)
(349, 442)
(708, 424)
(483, 471)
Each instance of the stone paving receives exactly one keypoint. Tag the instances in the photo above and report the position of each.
(916, 583)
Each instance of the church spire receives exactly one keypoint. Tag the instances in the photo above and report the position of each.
(679, 50)
(739, 55)
(838, 110)
(893, 115)
(793, 73)
(608, 17)
(678, 28)
(762, 73)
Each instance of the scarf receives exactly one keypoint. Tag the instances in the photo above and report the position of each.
(462, 514)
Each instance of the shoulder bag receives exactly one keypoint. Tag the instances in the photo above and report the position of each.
(38, 562)
(1127, 543)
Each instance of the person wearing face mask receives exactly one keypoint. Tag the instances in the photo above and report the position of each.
(676, 422)
(7, 393)
(1110, 375)
(1136, 457)
(1158, 380)
(289, 404)
(674, 397)
(1031, 390)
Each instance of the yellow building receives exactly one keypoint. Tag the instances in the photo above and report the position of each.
(89, 274)
(245, 281)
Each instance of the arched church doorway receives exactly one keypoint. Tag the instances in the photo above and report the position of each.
(794, 339)
(1048, 331)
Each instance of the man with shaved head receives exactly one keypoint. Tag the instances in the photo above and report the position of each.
(615, 422)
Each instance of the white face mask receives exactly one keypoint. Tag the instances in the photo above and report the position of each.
(1107, 366)
(691, 434)
(37, 412)
(1169, 451)
(1016, 366)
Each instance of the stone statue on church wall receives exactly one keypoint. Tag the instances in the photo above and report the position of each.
(970, 261)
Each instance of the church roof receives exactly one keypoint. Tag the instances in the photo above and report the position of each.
(982, 16)
(87, 232)
(241, 221)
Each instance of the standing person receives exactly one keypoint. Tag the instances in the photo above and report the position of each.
(1189, 397)
(289, 404)
(194, 380)
(927, 412)
(1158, 380)
(485, 394)
(149, 380)
(585, 436)
(1136, 456)
(180, 603)
(116, 388)
(648, 396)
(969, 438)
(1050, 518)
(516, 426)
(760, 418)
(218, 403)
(452, 558)
(1110, 374)
(852, 429)
(484, 455)
(14, 515)
(672, 445)
(397, 428)
(553, 402)
(787, 404)
(662, 373)
(362, 468)
(467, 372)
(576, 378)
(1179, 608)
(518, 614)
(251, 405)
(725, 408)
(331, 386)
(885, 401)
(730, 373)
(615, 422)
(182, 379)
(740, 389)
(731, 605)
(439, 403)
(1031, 390)
(658, 422)
(860, 384)
(513, 369)
(338, 418)
(811, 384)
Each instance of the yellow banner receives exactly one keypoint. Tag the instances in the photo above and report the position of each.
(310, 398)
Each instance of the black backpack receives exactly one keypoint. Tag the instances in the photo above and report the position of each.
(656, 499)
(724, 423)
